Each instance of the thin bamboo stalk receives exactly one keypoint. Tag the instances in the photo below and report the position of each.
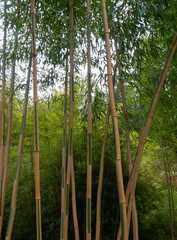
(70, 165)
(36, 129)
(168, 185)
(63, 180)
(100, 181)
(173, 146)
(130, 165)
(68, 175)
(74, 209)
(115, 124)
(2, 112)
(9, 130)
(134, 175)
(89, 135)
(70, 149)
(19, 159)
(171, 192)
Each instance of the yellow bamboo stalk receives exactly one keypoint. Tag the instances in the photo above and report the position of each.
(100, 181)
(115, 124)
(8, 137)
(36, 129)
(2, 113)
(168, 186)
(130, 165)
(74, 209)
(63, 180)
(134, 175)
(70, 165)
(89, 135)
(19, 159)
(66, 218)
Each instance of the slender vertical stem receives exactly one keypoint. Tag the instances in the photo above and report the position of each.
(19, 159)
(115, 125)
(130, 165)
(63, 180)
(89, 135)
(2, 113)
(70, 165)
(174, 148)
(168, 185)
(172, 199)
(134, 174)
(100, 181)
(9, 130)
(36, 129)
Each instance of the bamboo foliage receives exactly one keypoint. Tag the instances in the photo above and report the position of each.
(36, 130)
(2, 114)
(19, 159)
(9, 130)
(70, 165)
(63, 180)
(89, 133)
(115, 125)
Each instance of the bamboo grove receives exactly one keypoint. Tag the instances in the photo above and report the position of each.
(70, 36)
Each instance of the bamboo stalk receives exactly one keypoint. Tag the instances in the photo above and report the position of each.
(100, 181)
(9, 130)
(36, 129)
(89, 135)
(171, 192)
(70, 165)
(74, 209)
(134, 175)
(168, 185)
(2, 113)
(130, 165)
(63, 180)
(19, 159)
(115, 124)
(70, 148)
